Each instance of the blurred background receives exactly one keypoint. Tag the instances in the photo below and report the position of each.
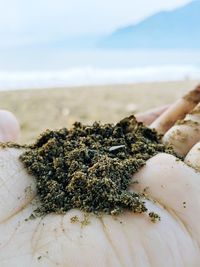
(101, 59)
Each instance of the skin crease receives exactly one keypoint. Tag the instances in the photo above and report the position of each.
(128, 240)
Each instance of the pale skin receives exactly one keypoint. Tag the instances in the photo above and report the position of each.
(173, 190)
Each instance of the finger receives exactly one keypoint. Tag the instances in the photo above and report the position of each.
(149, 116)
(9, 127)
(17, 188)
(175, 186)
(193, 157)
(185, 134)
(177, 111)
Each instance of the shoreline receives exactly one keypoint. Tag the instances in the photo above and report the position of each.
(96, 86)
(92, 75)
(54, 108)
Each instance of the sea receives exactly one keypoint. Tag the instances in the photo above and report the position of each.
(54, 68)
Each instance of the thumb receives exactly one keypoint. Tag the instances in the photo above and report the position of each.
(9, 127)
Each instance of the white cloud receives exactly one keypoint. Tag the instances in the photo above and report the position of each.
(43, 19)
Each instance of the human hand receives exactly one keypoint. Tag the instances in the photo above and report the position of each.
(127, 240)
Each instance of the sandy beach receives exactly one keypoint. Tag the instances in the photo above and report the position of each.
(53, 108)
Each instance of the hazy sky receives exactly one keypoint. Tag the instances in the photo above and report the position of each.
(32, 19)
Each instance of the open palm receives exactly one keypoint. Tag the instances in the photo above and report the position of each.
(173, 191)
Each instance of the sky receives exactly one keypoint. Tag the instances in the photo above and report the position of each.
(26, 21)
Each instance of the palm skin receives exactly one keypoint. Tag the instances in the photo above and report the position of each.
(127, 240)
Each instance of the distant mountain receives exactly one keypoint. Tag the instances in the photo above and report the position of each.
(179, 28)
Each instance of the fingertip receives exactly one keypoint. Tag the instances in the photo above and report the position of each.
(185, 133)
(9, 127)
(151, 115)
(193, 157)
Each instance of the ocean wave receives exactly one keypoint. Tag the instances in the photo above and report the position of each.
(94, 76)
